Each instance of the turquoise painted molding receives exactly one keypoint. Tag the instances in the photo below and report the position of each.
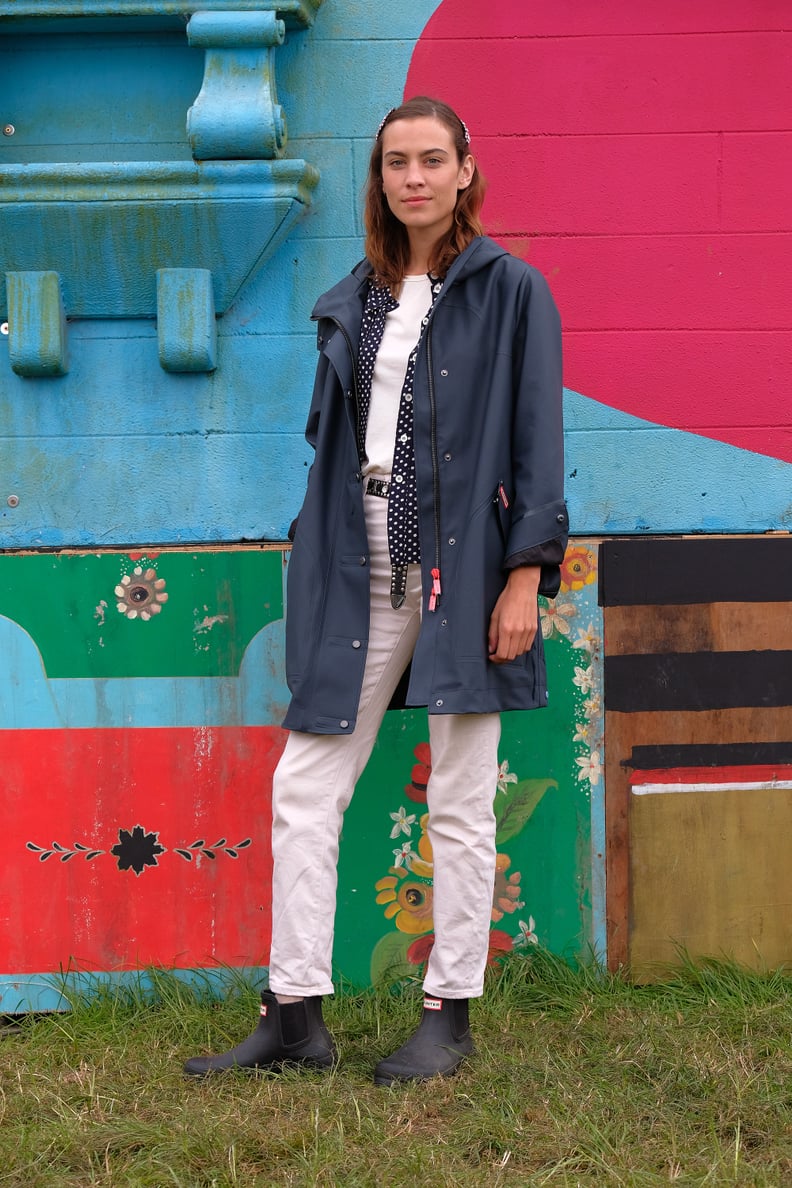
(107, 228)
(131, 239)
(186, 327)
(236, 113)
(295, 13)
(36, 324)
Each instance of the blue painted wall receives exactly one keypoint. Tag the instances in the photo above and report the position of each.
(119, 452)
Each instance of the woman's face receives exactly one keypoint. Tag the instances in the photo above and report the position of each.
(422, 175)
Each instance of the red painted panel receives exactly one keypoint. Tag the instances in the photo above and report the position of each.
(571, 18)
(757, 181)
(693, 282)
(680, 378)
(544, 112)
(615, 84)
(86, 791)
(601, 184)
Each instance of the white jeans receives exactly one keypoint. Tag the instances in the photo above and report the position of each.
(313, 784)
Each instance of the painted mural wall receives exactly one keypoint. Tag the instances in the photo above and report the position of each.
(639, 158)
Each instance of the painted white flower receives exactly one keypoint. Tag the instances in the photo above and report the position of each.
(527, 935)
(590, 767)
(583, 731)
(403, 824)
(505, 776)
(592, 706)
(587, 639)
(555, 617)
(584, 679)
(404, 856)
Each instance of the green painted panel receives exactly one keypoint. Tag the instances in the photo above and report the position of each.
(548, 805)
(131, 615)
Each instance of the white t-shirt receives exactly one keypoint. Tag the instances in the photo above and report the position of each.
(402, 331)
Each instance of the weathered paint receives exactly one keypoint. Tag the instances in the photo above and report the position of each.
(639, 202)
(133, 774)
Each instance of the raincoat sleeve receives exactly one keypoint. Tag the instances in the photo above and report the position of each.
(539, 513)
(312, 424)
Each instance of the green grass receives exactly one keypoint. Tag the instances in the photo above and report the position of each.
(580, 1078)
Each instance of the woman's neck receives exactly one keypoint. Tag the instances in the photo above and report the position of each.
(421, 248)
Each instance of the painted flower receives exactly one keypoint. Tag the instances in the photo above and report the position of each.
(579, 568)
(587, 639)
(527, 935)
(137, 849)
(500, 943)
(506, 896)
(555, 617)
(140, 594)
(592, 706)
(583, 731)
(404, 855)
(403, 823)
(416, 789)
(408, 901)
(584, 679)
(505, 776)
(418, 952)
(590, 767)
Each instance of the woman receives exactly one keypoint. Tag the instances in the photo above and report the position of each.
(434, 515)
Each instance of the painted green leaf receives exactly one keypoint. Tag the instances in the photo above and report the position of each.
(513, 809)
(389, 959)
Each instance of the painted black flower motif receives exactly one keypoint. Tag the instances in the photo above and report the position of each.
(137, 850)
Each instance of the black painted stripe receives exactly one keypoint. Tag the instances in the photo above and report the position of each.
(742, 754)
(657, 571)
(698, 680)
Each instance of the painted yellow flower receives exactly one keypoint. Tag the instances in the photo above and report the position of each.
(579, 568)
(409, 901)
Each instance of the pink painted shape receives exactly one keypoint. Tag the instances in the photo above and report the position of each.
(643, 162)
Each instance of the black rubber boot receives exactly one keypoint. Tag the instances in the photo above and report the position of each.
(437, 1048)
(293, 1033)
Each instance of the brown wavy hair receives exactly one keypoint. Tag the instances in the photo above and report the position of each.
(387, 245)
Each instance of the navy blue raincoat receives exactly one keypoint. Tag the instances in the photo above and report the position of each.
(489, 469)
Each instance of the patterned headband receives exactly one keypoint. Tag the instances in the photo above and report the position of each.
(390, 113)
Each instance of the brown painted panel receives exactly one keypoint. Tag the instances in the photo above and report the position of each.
(711, 627)
(710, 870)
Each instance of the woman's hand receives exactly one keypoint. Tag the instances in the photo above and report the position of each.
(514, 620)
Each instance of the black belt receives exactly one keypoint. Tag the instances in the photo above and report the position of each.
(398, 591)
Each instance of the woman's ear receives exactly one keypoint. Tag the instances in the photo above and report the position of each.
(466, 172)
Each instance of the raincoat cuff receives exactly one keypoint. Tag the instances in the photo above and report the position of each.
(549, 522)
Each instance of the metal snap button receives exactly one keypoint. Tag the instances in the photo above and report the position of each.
(355, 643)
(439, 701)
(343, 723)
